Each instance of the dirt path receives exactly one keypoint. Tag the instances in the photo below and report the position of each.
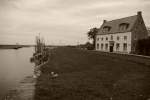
(24, 92)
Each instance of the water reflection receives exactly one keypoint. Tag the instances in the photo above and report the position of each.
(14, 66)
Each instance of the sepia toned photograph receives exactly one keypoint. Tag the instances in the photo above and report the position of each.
(74, 49)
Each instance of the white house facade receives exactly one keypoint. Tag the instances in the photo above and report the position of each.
(121, 35)
(122, 42)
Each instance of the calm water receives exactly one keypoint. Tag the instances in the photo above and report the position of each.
(14, 66)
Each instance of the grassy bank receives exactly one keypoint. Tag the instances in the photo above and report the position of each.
(88, 75)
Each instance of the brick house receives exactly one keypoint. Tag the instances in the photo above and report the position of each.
(121, 35)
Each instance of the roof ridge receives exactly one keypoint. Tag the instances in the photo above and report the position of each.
(121, 18)
(114, 24)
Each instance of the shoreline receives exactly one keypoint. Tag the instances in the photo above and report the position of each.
(25, 90)
(13, 46)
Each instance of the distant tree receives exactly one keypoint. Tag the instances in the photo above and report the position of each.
(91, 35)
(88, 46)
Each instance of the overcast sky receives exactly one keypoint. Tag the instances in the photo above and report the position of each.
(61, 21)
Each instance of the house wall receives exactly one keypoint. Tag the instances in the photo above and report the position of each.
(139, 31)
(121, 41)
(148, 33)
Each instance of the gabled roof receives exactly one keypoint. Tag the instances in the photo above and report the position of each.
(114, 24)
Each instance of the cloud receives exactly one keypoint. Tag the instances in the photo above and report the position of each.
(61, 20)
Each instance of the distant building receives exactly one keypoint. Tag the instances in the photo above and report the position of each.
(120, 35)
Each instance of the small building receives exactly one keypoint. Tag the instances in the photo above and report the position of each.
(121, 35)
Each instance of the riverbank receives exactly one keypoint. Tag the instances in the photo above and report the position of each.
(88, 75)
(25, 91)
(13, 46)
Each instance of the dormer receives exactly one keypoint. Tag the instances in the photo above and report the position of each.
(106, 28)
(123, 26)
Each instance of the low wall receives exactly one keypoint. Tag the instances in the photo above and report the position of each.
(128, 57)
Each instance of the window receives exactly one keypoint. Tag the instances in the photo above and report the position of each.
(117, 46)
(106, 28)
(97, 39)
(106, 38)
(97, 46)
(102, 46)
(102, 38)
(123, 26)
(125, 37)
(125, 47)
(111, 38)
(135, 37)
(117, 37)
(106, 46)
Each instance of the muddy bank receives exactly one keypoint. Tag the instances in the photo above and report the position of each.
(25, 91)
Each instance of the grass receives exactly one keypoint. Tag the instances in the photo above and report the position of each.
(89, 75)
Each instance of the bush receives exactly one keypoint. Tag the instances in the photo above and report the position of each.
(89, 46)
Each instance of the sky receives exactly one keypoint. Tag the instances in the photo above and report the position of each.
(61, 22)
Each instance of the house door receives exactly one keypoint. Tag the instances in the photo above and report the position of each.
(111, 49)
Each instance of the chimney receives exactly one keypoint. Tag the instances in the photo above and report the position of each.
(104, 21)
(139, 13)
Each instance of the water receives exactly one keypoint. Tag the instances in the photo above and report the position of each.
(14, 66)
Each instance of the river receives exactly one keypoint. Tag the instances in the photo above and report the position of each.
(14, 67)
